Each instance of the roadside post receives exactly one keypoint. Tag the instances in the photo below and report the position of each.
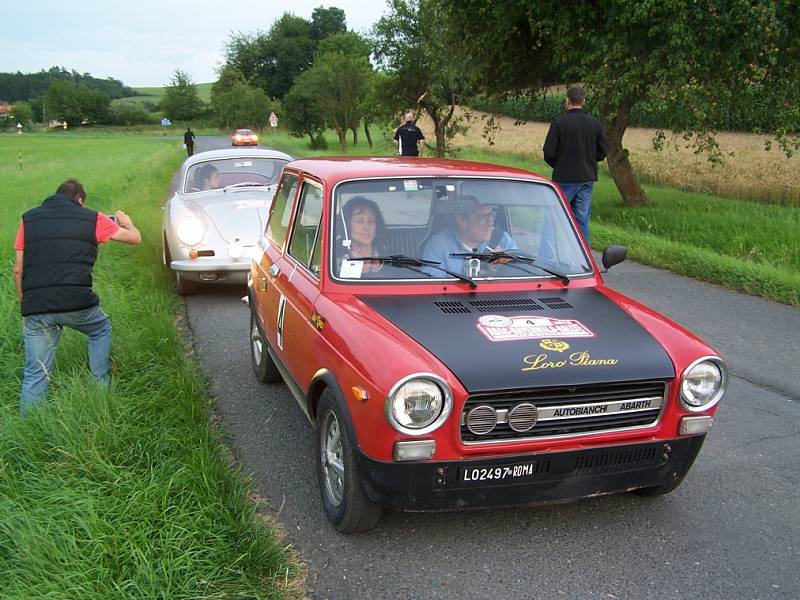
(273, 122)
(19, 128)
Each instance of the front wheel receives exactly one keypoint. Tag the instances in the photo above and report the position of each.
(263, 367)
(184, 286)
(346, 504)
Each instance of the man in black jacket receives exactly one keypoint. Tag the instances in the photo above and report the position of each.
(188, 141)
(56, 248)
(409, 138)
(574, 145)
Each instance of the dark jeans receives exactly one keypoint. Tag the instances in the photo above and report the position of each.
(189, 149)
(579, 196)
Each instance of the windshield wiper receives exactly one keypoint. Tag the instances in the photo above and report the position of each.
(401, 260)
(523, 258)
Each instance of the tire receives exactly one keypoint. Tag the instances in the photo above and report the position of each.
(184, 286)
(263, 367)
(346, 504)
(660, 490)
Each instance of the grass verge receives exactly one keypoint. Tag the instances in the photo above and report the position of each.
(128, 492)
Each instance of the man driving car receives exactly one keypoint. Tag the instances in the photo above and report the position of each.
(472, 230)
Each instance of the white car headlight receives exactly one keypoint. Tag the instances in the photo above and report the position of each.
(703, 384)
(418, 404)
(190, 231)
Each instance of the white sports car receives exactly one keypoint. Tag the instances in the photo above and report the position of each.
(217, 215)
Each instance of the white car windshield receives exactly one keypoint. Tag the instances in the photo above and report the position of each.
(481, 229)
(220, 173)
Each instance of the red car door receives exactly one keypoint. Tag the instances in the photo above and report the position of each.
(298, 281)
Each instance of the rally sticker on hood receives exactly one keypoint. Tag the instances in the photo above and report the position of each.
(501, 329)
(244, 204)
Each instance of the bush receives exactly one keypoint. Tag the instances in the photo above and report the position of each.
(130, 114)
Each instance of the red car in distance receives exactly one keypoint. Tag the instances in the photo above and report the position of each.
(244, 137)
(447, 333)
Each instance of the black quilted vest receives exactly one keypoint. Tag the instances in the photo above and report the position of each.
(60, 251)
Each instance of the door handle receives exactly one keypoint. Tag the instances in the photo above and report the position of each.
(274, 270)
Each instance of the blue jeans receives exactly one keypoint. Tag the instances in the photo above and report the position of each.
(579, 196)
(41, 334)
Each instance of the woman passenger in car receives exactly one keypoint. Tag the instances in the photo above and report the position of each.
(364, 229)
(206, 178)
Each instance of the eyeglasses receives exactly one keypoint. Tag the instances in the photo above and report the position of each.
(487, 217)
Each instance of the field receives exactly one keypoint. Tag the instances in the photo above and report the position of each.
(126, 493)
(154, 94)
(748, 171)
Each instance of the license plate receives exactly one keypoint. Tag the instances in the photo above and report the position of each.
(490, 475)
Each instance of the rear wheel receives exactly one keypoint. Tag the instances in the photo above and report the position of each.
(263, 366)
(346, 504)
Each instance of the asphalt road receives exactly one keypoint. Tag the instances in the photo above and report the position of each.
(731, 531)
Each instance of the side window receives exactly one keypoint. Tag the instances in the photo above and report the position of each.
(281, 211)
(305, 242)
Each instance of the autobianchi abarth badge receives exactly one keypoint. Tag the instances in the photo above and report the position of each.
(500, 329)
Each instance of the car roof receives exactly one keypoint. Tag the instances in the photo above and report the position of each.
(243, 131)
(235, 153)
(340, 168)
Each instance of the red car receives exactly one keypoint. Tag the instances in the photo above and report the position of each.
(445, 329)
(244, 137)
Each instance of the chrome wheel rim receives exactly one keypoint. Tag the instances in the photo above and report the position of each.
(257, 345)
(332, 463)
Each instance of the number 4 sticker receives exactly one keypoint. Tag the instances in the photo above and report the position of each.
(281, 313)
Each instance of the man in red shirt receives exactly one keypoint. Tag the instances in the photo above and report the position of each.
(56, 248)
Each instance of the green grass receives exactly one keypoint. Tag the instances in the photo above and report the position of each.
(154, 94)
(127, 493)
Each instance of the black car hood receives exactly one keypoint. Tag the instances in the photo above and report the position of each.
(523, 340)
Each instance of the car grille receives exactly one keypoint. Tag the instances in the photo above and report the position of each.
(561, 411)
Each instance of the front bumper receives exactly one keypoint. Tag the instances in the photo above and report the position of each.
(554, 476)
(211, 270)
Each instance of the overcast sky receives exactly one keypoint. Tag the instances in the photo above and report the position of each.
(142, 42)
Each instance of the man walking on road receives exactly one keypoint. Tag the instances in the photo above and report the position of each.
(409, 138)
(188, 141)
(56, 248)
(574, 145)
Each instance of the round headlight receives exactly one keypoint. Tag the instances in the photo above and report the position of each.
(190, 231)
(418, 404)
(703, 384)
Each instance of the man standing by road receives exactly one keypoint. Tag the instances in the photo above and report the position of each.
(56, 248)
(408, 138)
(574, 145)
(188, 141)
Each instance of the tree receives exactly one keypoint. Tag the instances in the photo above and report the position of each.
(22, 112)
(272, 61)
(421, 71)
(327, 21)
(75, 104)
(301, 115)
(243, 106)
(180, 101)
(689, 60)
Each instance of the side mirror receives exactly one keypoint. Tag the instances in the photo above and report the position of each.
(613, 255)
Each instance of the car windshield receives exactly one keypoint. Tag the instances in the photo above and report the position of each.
(476, 228)
(224, 172)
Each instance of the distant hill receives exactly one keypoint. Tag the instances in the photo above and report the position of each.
(154, 94)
